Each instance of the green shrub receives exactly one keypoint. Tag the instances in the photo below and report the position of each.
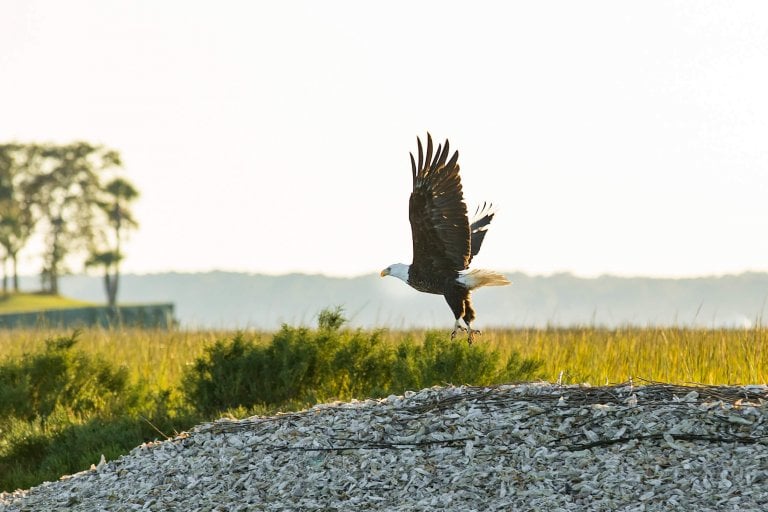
(440, 361)
(61, 409)
(362, 367)
(302, 366)
(297, 366)
(225, 377)
(34, 386)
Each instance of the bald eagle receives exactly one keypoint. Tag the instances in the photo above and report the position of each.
(444, 239)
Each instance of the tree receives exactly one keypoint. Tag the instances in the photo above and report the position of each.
(119, 193)
(58, 192)
(64, 190)
(17, 220)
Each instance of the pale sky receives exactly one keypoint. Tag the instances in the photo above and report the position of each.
(616, 137)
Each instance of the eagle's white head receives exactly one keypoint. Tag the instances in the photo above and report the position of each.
(398, 270)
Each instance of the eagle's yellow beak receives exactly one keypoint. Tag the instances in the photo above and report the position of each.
(384, 272)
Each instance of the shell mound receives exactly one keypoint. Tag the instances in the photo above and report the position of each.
(511, 447)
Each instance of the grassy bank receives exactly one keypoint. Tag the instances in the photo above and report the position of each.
(24, 302)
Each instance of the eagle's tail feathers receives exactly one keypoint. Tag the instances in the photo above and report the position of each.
(475, 278)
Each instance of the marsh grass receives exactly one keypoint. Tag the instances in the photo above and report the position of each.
(577, 355)
(673, 355)
(580, 355)
(157, 357)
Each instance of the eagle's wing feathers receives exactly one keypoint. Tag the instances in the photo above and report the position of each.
(478, 226)
(438, 214)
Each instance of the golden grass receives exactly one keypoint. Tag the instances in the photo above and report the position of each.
(673, 355)
(155, 356)
(596, 356)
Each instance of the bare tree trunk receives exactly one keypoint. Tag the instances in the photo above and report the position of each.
(53, 282)
(5, 275)
(113, 288)
(116, 276)
(108, 286)
(49, 280)
(55, 257)
(15, 264)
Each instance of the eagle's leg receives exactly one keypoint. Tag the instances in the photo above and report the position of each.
(457, 297)
(456, 328)
(469, 316)
(471, 333)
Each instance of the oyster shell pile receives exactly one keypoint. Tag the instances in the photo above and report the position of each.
(511, 447)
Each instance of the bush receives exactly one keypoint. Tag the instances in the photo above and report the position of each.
(301, 366)
(440, 360)
(241, 373)
(62, 378)
(61, 409)
(226, 377)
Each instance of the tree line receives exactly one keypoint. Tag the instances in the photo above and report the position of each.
(73, 198)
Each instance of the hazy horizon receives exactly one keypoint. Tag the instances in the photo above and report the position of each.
(226, 300)
(94, 273)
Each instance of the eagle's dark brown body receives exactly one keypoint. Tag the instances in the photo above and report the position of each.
(444, 240)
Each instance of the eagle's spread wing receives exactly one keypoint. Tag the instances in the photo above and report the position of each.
(438, 214)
